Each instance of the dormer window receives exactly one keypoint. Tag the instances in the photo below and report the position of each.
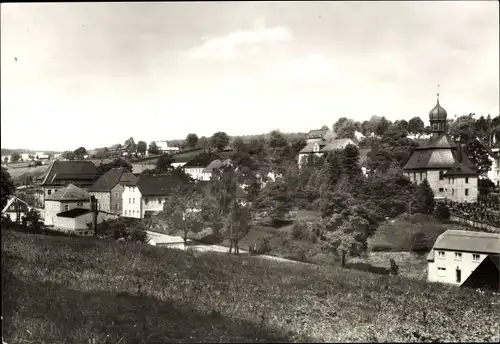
(316, 147)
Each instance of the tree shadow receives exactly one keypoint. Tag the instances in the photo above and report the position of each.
(368, 268)
(51, 313)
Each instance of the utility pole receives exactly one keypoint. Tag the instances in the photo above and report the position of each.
(93, 207)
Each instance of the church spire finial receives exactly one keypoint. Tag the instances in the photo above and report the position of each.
(438, 95)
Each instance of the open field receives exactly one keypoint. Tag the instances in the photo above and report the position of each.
(85, 290)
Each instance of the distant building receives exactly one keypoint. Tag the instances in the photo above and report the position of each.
(320, 147)
(14, 207)
(146, 198)
(197, 165)
(64, 199)
(165, 148)
(494, 172)
(443, 163)
(108, 189)
(62, 173)
(317, 135)
(465, 258)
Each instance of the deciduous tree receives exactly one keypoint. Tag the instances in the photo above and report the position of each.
(191, 140)
(142, 147)
(153, 149)
(219, 140)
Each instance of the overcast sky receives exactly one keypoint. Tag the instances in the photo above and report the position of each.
(94, 74)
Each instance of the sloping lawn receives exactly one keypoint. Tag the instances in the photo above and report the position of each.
(86, 290)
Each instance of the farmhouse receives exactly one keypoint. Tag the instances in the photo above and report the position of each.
(196, 166)
(465, 258)
(62, 173)
(146, 198)
(108, 189)
(443, 163)
(67, 198)
(321, 146)
(16, 209)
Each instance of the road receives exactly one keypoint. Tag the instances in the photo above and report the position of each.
(159, 239)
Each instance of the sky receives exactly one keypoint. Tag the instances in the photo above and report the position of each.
(95, 74)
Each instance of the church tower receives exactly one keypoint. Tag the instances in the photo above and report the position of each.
(437, 118)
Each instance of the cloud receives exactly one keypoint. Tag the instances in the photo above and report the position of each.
(313, 67)
(239, 42)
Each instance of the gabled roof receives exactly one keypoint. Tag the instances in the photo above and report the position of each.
(438, 141)
(309, 148)
(111, 178)
(337, 144)
(317, 133)
(70, 170)
(74, 213)
(216, 164)
(11, 201)
(468, 241)
(158, 184)
(69, 193)
(202, 160)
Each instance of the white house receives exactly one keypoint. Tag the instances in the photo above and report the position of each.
(197, 165)
(63, 200)
(14, 206)
(465, 258)
(319, 147)
(148, 195)
(165, 148)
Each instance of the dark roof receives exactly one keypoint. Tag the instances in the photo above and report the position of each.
(111, 178)
(201, 160)
(69, 193)
(70, 170)
(440, 152)
(309, 148)
(73, 213)
(158, 184)
(469, 241)
(460, 170)
(317, 133)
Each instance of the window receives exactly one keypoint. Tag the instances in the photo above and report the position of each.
(66, 207)
(441, 254)
(116, 206)
(421, 176)
(49, 192)
(116, 194)
(129, 201)
(441, 176)
(459, 275)
(133, 200)
(441, 190)
(441, 272)
(146, 201)
(458, 256)
(452, 192)
(466, 192)
(159, 200)
(466, 180)
(475, 257)
(414, 176)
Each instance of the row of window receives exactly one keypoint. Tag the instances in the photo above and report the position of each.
(458, 256)
(466, 191)
(66, 206)
(423, 175)
(130, 212)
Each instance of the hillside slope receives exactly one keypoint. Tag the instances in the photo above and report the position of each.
(85, 290)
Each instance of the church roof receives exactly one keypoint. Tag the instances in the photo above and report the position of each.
(439, 141)
(438, 113)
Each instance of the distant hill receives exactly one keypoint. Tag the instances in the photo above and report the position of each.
(9, 151)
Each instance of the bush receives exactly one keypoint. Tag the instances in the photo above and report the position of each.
(442, 212)
(394, 267)
(263, 245)
(419, 243)
(299, 230)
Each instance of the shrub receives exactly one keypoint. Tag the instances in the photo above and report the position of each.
(299, 230)
(442, 212)
(263, 245)
(419, 243)
(394, 267)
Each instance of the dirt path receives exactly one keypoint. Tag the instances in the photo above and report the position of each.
(159, 239)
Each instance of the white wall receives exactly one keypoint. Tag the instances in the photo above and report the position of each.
(52, 208)
(494, 172)
(152, 203)
(466, 264)
(79, 222)
(178, 164)
(452, 188)
(195, 172)
(131, 202)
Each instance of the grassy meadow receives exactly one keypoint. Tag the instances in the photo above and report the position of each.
(86, 290)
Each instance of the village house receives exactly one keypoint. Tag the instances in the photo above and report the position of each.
(66, 198)
(16, 209)
(321, 146)
(108, 189)
(146, 198)
(61, 173)
(165, 148)
(316, 135)
(196, 166)
(465, 258)
(443, 163)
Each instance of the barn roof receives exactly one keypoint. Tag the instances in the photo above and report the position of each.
(467, 241)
